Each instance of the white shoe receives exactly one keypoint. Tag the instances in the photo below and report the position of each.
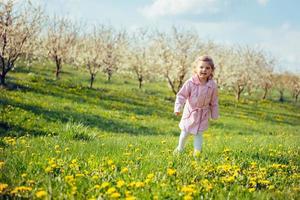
(177, 151)
(197, 154)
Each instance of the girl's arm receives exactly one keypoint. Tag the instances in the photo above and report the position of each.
(181, 97)
(214, 105)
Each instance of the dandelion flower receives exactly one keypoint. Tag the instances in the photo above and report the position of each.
(124, 170)
(3, 186)
(41, 194)
(115, 195)
(171, 171)
(105, 184)
(1, 164)
(111, 190)
(120, 183)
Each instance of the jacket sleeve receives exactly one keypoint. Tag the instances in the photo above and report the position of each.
(182, 96)
(214, 105)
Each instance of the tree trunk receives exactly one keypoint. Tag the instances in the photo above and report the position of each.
(265, 93)
(172, 85)
(281, 96)
(237, 96)
(2, 79)
(140, 82)
(296, 97)
(92, 80)
(109, 75)
(239, 92)
(58, 67)
(181, 77)
(5, 70)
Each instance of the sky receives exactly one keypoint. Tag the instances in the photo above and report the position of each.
(273, 25)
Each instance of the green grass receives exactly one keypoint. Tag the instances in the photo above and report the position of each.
(63, 140)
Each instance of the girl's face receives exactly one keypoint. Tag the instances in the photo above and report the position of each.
(204, 70)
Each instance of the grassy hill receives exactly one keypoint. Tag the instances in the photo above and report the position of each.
(61, 139)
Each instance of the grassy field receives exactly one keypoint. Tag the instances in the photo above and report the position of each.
(62, 140)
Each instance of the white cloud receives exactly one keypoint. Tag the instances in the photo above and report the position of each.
(263, 2)
(161, 8)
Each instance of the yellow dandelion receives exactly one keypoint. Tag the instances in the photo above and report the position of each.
(253, 164)
(74, 190)
(3, 186)
(264, 182)
(105, 184)
(130, 198)
(150, 176)
(251, 189)
(23, 175)
(73, 161)
(48, 169)
(79, 175)
(207, 185)
(54, 165)
(229, 179)
(110, 162)
(97, 187)
(226, 150)
(30, 182)
(139, 184)
(187, 197)
(1, 164)
(124, 170)
(70, 179)
(188, 189)
(111, 190)
(95, 177)
(21, 189)
(120, 183)
(171, 171)
(115, 195)
(41, 194)
(128, 193)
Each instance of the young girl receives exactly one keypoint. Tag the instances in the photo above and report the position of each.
(199, 96)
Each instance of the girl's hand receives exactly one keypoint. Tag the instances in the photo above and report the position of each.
(177, 113)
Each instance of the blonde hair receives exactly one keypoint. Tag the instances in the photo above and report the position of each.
(204, 58)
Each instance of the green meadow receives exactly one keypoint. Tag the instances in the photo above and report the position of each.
(62, 140)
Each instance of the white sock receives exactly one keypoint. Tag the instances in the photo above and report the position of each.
(182, 139)
(198, 140)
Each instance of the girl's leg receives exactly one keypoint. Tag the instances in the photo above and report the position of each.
(182, 139)
(198, 140)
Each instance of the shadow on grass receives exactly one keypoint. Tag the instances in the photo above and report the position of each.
(139, 106)
(253, 112)
(104, 124)
(14, 130)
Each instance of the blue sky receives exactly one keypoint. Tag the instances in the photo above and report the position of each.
(273, 25)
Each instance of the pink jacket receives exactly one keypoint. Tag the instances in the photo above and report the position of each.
(201, 104)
